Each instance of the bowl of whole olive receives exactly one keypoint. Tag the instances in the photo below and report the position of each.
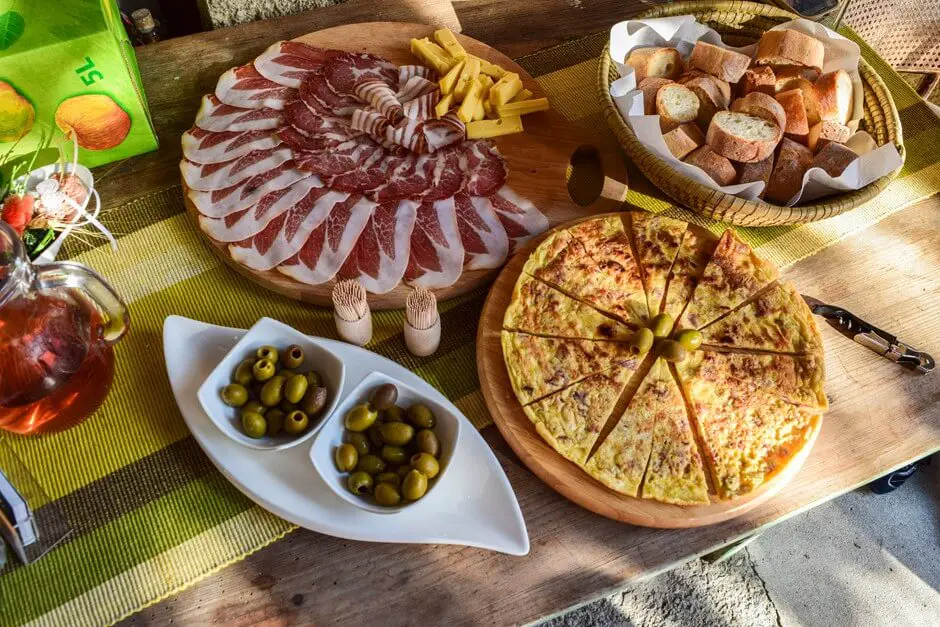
(274, 389)
(386, 447)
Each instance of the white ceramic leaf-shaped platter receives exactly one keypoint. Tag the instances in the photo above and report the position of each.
(477, 509)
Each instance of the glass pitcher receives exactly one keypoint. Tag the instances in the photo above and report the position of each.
(58, 323)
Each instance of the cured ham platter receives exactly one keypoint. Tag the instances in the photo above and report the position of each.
(329, 157)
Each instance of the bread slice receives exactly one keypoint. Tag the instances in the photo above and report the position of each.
(827, 131)
(793, 160)
(789, 47)
(834, 96)
(650, 87)
(723, 86)
(742, 137)
(676, 104)
(761, 78)
(797, 127)
(763, 106)
(834, 159)
(710, 99)
(722, 63)
(683, 139)
(789, 75)
(757, 171)
(714, 165)
(655, 62)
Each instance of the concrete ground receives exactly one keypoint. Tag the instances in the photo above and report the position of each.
(861, 559)
(223, 13)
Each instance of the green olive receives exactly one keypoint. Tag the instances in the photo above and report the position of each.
(273, 391)
(397, 433)
(641, 341)
(314, 401)
(296, 422)
(388, 477)
(690, 339)
(393, 414)
(293, 357)
(234, 395)
(359, 441)
(421, 416)
(287, 407)
(359, 483)
(387, 495)
(243, 374)
(314, 379)
(427, 442)
(254, 425)
(295, 388)
(425, 464)
(394, 454)
(267, 352)
(672, 350)
(661, 325)
(263, 369)
(275, 418)
(372, 464)
(360, 418)
(375, 437)
(254, 406)
(402, 471)
(346, 457)
(414, 486)
(384, 397)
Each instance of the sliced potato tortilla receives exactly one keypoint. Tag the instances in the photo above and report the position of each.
(541, 365)
(694, 252)
(657, 241)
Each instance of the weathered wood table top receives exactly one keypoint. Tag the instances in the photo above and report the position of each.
(887, 417)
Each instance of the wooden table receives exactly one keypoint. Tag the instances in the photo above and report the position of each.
(889, 274)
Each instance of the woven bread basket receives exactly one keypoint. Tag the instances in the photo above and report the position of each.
(740, 24)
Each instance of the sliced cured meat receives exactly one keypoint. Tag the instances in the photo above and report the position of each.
(422, 107)
(436, 256)
(447, 131)
(410, 71)
(381, 97)
(222, 202)
(406, 133)
(301, 142)
(202, 146)
(290, 62)
(519, 217)
(243, 224)
(342, 158)
(415, 87)
(380, 256)
(349, 69)
(446, 177)
(243, 86)
(329, 244)
(320, 97)
(369, 121)
(286, 234)
(210, 176)
(369, 176)
(309, 122)
(484, 239)
(411, 179)
(215, 115)
(485, 168)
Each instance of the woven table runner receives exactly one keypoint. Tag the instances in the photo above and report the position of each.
(149, 513)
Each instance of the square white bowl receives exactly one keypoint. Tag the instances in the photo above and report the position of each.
(270, 332)
(447, 431)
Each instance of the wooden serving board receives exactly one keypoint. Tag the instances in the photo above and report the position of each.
(565, 477)
(538, 158)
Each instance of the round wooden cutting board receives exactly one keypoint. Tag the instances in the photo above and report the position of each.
(538, 158)
(565, 477)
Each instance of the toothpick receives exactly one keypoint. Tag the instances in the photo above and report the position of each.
(351, 312)
(422, 323)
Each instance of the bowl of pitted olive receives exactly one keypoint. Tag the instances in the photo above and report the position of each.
(274, 389)
(386, 447)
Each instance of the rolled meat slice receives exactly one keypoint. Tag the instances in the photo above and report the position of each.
(422, 107)
(415, 87)
(381, 97)
(406, 72)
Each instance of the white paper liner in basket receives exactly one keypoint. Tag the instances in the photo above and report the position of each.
(681, 32)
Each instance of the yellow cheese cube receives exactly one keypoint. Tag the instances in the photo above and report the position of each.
(505, 89)
(432, 55)
(469, 105)
(494, 128)
(443, 105)
(479, 113)
(491, 69)
(449, 42)
(525, 94)
(487, 82)
(488, 110)
(468, 76)
(522, 107)
(450, 79)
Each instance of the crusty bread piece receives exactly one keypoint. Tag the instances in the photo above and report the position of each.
(834, 159)
(760, 78)
(834, 96)
(723, 86)
(809, 98)
(714, 165)
(725, 64)
(742, 137)
(825, 132)
(789, 75)
(710, 99)
(675, 104)
(683, 139)
(757, 171)
(763, 106)
(789, 47)
(657, 62)
(793, 160)
(797, 127)
(650, 87)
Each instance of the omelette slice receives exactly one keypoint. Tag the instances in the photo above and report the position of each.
(540, 309)
(694, 252)
(570, 420)
(593, 262)
(734, 274)
(541, 365)
(657, 241)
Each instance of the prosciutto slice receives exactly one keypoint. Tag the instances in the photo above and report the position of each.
(343, 158)
(286, 234)
(320, 97)
(300, 142)
(436, 255)
(519, 217)
(329, 244)
(202, 146)
(215, 115)
(349, 69)
(222, 202)
(447, 131)
(412, 178)
(484, 239)
(371, 175)
(422, 107)
(415, 87)
(308, 121)
(210, 176)
(380, 255)
(289, 62)
(446, 177)
(244, 87)
(485, 168)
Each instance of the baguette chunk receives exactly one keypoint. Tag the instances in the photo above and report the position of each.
(742, 137)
